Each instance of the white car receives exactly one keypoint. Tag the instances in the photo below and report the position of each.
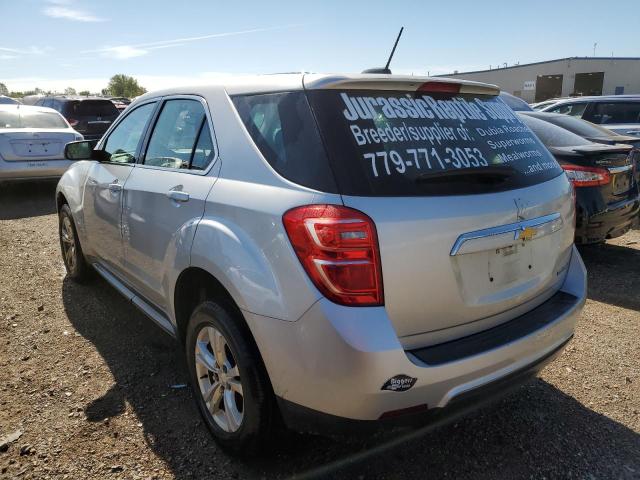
(32, 141)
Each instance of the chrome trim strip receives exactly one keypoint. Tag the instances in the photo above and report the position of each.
(615, 170)
(517, 227)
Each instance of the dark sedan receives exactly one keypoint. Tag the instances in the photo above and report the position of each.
(590, 131)
(607, 196)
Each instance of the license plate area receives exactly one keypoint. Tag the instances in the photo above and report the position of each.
(509, 264)
(622, 182)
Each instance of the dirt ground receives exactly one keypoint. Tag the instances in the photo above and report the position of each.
(97, 391)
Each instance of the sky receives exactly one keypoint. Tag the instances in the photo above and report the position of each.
(54, 44)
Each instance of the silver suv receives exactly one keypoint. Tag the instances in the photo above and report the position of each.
(331, 250)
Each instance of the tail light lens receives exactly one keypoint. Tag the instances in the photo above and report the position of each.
(338, 248)
(72, 121)
(586, 176)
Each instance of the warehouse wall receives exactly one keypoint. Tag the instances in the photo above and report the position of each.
(617, 73)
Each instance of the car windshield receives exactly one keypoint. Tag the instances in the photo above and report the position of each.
(23, 119)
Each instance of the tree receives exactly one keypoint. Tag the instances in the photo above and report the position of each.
(70, 91)
(121, 85)
(85, 93)
(3, 89)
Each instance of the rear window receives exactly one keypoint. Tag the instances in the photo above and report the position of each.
(580, 127)
(398, 143)
(22, 119)
(282, 127)
(552, 135)
(615, 112)
(91, 108)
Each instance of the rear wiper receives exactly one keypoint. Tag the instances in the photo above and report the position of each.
(489, 174)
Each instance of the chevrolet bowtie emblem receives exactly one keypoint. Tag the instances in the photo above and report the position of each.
(526, 234)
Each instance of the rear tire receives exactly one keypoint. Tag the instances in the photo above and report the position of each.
(77, 267)
(230, 384)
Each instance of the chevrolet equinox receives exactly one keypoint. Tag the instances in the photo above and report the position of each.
(331, 249)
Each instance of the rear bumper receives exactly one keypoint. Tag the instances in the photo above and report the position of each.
(35, 169)
(334, 361)
(596, 226)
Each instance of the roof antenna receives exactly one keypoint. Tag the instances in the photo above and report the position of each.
(386, 70)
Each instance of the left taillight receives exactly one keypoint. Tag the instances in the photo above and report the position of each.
(586, 176)
(72, 121)
(338, 248)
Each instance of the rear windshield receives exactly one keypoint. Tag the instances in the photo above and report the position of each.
(91, 108)
(398, 143)
(552, 135)
(581, 127)
(22, 119)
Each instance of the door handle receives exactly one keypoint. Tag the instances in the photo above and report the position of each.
(178, 195)
(115, 187)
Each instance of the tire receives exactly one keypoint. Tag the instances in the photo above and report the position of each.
(77, 267)
(237, 362)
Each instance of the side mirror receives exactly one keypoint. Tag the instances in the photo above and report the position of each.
(82, 150)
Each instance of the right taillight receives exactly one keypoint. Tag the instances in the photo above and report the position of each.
(338, 248)
(586, 176)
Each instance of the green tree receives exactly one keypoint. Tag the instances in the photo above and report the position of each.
(85, 93)
(3, 89)
(70, 91)
(121, 85)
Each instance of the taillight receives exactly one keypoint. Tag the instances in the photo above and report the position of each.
(439, 87)
(586, 176)
(72, 121)
(338, 248)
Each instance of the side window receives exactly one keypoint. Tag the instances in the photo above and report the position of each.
(47, 102)
(123, 141)
(616, 112)
(573, 109)
(181, 138)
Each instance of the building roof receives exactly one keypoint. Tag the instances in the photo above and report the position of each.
(637, 59)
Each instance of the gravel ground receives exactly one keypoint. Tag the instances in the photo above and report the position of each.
(97, 391)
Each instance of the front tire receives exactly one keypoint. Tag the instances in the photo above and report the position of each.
(228, 379)
(72, 256)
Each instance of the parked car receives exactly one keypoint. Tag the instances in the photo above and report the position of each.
(32, 141)
(590, 131)
(620, 113)
(607, 196)
(91, 116)
(516, 104)
(4, 100)
(345, 250)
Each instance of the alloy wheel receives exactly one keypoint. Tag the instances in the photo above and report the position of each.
(219, 379)
(68, 243)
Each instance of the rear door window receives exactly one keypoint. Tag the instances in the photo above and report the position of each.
(399, 143)
(181, 137)
(573, 109)
(615, 112)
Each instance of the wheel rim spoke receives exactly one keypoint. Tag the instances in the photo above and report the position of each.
(218, 345)
(205, 358)
(231, 411)
(235, 386)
